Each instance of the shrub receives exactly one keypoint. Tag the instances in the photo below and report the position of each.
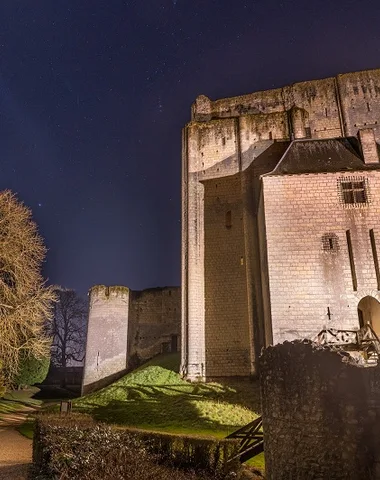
(75, 447)
(32, 370)
(190, 451)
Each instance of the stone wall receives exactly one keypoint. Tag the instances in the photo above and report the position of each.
(306, 281)
(154, 325)
(321, 414)
(331, 107)
(226, 297)
(126, 327)
(223, 139)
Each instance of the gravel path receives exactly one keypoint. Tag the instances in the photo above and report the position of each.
(15, 449)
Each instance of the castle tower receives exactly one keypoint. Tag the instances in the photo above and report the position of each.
(106, 348)
(228, 147)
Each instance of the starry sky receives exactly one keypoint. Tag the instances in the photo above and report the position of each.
(93, 96)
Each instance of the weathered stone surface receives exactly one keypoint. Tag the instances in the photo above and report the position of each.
(321, 414)
(253, 269)
(107, 335)
(306, 281)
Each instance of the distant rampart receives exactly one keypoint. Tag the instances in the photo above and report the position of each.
(126, 327)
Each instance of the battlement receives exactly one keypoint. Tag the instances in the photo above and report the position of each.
(106, 292)
(326, 93)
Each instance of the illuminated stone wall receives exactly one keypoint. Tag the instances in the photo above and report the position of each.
(224, 139)
(308, 280)
(107, 335)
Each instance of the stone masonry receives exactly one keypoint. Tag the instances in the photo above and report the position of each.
(317, 289)
(321, 414)
(126, 327)
(262, 186)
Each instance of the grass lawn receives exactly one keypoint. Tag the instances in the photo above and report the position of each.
(155, 397)
(27, 428)
(16, 399)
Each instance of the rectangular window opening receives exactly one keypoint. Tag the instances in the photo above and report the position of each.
(228, 219)
(353, 192)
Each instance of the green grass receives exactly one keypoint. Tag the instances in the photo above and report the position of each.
(155, 397)
(8, 407)
(14, 400)
(27, 428)
(258, 462)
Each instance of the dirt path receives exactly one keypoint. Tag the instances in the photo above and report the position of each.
(15, 449)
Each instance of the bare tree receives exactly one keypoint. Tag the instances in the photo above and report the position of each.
(25, 301)
(68, 328)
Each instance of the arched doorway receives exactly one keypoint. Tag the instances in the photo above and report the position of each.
(369, 312)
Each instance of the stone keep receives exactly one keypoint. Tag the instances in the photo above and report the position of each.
(280, 219)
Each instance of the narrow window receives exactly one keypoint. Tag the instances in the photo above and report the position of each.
(375, 257)
(308, 132)
(352, 261)
(356, 90)
(368, 107)
(224, 141)
(325, 112)
(330, 243)
(228, 219)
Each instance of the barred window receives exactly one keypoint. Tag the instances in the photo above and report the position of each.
(330, 243)
(353, 192)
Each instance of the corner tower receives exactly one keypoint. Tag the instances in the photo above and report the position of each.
(107, 336)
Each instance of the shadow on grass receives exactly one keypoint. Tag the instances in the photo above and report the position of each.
(150, 413)
(246, 393)
(186, 405)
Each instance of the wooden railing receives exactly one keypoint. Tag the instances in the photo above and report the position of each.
(364, 339)
(251, 440)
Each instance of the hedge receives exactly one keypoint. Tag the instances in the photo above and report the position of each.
(76, 447)
(32, 370)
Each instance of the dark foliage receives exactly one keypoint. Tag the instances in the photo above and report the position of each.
(75, 447)
(32, 370)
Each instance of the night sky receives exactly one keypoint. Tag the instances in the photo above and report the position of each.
(93, 96)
